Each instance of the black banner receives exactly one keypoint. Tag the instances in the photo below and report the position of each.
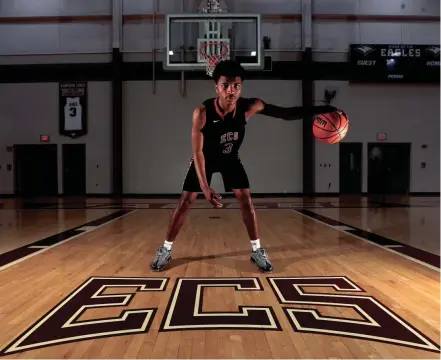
(394, 63)
(73, 108)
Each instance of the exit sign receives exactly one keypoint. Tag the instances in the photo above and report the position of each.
(381, 136)
(45, 138)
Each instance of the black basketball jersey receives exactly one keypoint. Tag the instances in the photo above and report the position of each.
(223, 134)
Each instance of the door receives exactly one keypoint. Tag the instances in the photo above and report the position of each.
(36, 170)
(389, 168)
(350, 168)
(74, 169)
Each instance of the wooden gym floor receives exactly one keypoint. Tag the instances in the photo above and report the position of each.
(352, 279)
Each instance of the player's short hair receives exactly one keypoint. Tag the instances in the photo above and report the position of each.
(228, 68)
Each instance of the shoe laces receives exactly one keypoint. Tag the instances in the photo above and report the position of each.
(162, 251)
(261, 253)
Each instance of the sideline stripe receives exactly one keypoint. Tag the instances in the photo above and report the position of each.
(20, 254)
(419, 256)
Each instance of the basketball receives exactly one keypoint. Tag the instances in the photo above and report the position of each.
(330, 128)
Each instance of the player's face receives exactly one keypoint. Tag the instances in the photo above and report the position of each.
(229, 89)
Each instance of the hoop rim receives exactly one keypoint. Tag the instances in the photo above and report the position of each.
(214, 42)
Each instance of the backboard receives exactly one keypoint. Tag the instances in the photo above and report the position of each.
(192, 38)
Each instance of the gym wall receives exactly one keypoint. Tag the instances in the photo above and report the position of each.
(406, 113)
(273, 148)
(29, 110)
(157, 137)
(336, 24)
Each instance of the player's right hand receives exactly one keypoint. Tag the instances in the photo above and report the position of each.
(213, 197)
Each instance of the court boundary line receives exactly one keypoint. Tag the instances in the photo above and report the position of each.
(368, 241)
(131, 211)
(166, 205)
(64, 241)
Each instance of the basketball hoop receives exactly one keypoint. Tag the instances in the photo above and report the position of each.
(213, 52)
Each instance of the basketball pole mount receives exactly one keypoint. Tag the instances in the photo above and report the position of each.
(210, 51)
(207, 6)
(183, 88)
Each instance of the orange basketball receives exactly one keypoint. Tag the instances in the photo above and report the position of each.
(330, 128)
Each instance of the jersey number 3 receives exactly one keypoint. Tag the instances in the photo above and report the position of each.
(228, 148)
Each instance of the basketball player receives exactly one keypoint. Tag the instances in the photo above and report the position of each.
(217, 134)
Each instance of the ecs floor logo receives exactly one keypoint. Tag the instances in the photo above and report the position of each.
(185, 312)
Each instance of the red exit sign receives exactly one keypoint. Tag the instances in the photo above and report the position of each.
(45, 138)
(381, 136)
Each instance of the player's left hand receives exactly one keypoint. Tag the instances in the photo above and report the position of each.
(213, 197)
(331, 109)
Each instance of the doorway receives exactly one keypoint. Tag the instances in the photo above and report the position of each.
(36, 170)
(74, 169)
(351, 168)
(389, 168)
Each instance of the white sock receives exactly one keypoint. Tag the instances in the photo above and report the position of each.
(168, 244)
(255, 244)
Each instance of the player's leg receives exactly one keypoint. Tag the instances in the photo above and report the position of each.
(178, 216)
(259, 255)
(190, 191)
(249, 217)
(236, 179)
(163, 254)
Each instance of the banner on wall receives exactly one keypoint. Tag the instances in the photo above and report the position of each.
(394, 63)
(73, 108)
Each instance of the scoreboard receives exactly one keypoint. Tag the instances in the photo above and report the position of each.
(394, 63)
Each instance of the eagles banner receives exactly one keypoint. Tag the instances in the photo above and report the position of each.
(394, 63)
(73, 108)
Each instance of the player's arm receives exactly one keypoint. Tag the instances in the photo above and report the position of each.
(257, 106)
(197, 142)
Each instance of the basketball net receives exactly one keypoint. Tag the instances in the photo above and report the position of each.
(213, 52)
(212, 48)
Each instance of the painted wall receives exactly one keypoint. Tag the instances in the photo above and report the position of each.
(157, 145)
(272, 147)
(330, 37)
(406, 113)
(30, 110)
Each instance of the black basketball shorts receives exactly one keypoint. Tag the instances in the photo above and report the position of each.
(231, 169)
